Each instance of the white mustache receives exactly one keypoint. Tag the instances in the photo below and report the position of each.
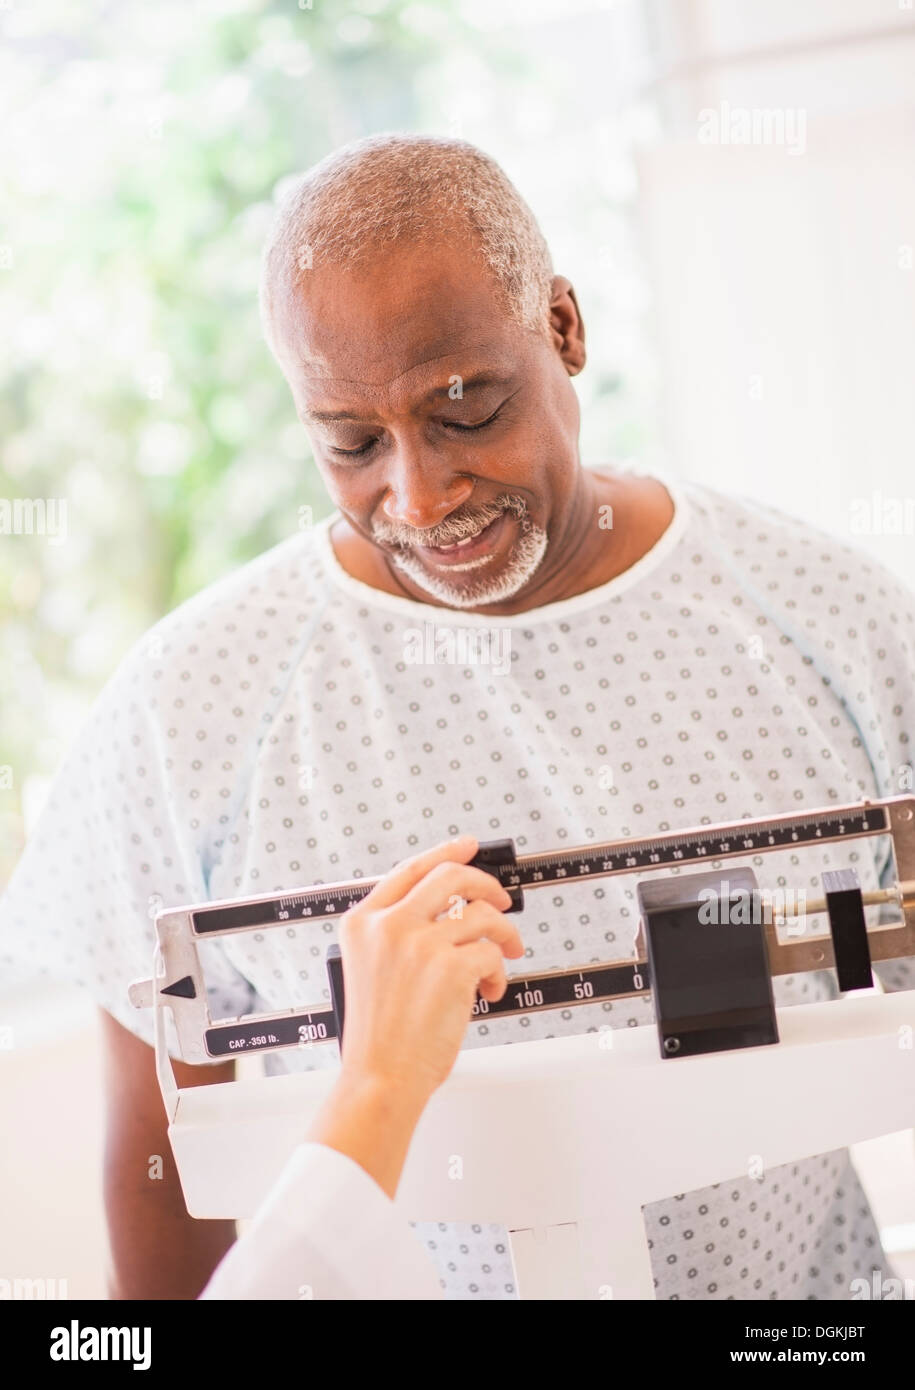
(455, 529)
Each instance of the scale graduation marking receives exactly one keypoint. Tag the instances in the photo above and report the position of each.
(526, 994)
(592, 984)
(563, 866)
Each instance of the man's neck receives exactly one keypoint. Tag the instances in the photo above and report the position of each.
(587, 555)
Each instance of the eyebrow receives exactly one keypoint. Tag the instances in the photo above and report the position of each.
(479, 381)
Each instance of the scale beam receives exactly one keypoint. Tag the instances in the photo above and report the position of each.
(203, 1039)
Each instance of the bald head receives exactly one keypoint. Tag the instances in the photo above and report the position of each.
(404, 189)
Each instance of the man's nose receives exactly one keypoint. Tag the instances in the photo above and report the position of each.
(423, 489)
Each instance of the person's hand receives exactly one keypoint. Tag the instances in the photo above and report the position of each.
(416, 950)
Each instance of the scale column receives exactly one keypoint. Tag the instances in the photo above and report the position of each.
(547, 1261)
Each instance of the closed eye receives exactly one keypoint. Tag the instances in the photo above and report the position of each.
(451, 424)
(455, 425)
(353, 453)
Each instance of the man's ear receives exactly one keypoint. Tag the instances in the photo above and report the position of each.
(566, 328)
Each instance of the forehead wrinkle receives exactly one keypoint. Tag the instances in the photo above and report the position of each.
(335, 383)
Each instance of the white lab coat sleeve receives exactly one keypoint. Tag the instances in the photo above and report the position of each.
(326, 1230)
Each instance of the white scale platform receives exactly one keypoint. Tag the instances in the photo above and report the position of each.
(564, 1140)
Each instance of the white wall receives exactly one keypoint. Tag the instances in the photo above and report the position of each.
(784, 280)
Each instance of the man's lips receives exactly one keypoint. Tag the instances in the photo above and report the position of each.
(480, 547)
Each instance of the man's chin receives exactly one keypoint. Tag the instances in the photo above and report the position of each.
(469, 588)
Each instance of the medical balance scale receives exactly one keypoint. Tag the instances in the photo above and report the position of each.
(564, 1140)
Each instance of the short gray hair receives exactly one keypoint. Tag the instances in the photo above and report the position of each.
(390, 188)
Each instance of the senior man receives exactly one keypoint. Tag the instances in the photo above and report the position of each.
(667, 656)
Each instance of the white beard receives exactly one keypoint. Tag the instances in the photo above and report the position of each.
(524, 559)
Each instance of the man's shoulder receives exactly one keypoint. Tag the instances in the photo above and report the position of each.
(290, 573)
(783, 552)
(748, 526)
(244, 625)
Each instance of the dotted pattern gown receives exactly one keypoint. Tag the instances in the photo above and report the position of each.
(292, 725)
